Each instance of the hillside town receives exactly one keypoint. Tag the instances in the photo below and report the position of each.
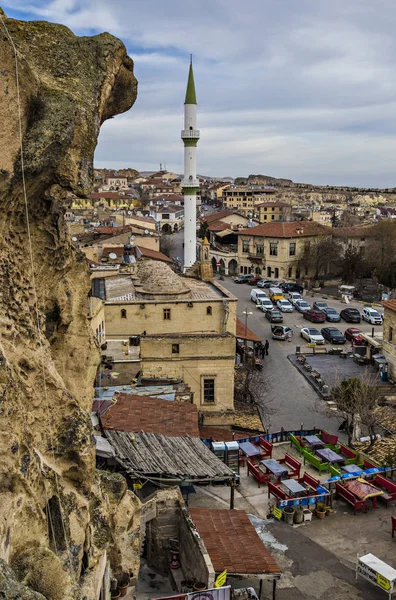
(198, 374)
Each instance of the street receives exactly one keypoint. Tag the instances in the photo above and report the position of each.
(293, 398)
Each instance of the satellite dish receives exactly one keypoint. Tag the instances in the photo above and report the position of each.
(129, 212)
(146, 231)
(112, 255)
(151, 232)
(132, 238)
(74, 239)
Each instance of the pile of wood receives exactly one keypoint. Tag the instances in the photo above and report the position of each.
(383, 451)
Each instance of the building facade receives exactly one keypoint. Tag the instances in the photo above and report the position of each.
(273, 211)
(273, 250)
(389, 341)
(245, 198)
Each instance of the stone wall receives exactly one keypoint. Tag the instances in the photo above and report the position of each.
(194, 558)
(389, 346)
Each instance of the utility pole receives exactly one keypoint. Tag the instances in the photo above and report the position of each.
(247, 314)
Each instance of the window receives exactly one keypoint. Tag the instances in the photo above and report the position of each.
(292, 249)
(273, 217)
(273, 208)
(290, 274)
(268, 271)
(265, 208)
(276, 272)
(175, 349)
(208, 390)
(390, 336)
(260, 249)
(208, 310)
(245, 246)
(265, 217)
(167, 314)
(123, 314)
(307, 245)
(274, 248)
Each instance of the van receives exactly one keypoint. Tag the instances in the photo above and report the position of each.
(346, 292)
(275, 294)
(255, 294)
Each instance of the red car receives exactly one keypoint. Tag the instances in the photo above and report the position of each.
(316, 316)
(254, 280)
(353, 335)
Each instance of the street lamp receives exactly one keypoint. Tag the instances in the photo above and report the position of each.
(247, 313)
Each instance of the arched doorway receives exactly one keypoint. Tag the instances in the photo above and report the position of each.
(233, 267)
(222, 267)
(166, 228)
(297, 273)
(276, 272)
(258, 271)
(214, 265)
(175, 228)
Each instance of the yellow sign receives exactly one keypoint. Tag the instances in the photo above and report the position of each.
(221, 579)
(383, 582)
(137, 486)
(277, 512)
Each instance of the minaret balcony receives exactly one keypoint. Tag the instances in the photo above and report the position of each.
(190, 134)
(192, 183)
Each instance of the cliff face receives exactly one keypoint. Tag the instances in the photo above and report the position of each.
(57, 514)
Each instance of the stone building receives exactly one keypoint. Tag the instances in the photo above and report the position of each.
(245, 198)
(274, 249)
(185, 329)
(273, 211)
(389, 342)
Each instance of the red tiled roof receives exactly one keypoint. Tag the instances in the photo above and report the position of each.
(283, 229)
(147, 253)
(219, 226)
(391, 304)
(217, 216)
(151, 415)
(357, 231)
(143, 219)
(112, 230)
(232, 542)
(244, 333)
(119, 251)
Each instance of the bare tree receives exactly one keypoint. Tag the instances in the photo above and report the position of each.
(357, 402)
(252, 387)
(322, 257)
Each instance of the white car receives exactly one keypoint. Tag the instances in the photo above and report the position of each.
(372, 316)
(284, 306)
(312, 335)
(294, 296)
(265, 304)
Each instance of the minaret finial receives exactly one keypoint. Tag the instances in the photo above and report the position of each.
(190, 59)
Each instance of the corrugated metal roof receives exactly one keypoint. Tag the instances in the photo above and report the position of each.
(153, 455)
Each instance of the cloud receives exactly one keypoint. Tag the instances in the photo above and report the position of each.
(303, 89)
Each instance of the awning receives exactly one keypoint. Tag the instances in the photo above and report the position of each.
(375, 342)
(223, 233)
(103, 448)
(244, 333)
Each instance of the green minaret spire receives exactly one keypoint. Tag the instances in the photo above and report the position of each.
(190, 92)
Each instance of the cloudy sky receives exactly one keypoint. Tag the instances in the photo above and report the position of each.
(304, 89)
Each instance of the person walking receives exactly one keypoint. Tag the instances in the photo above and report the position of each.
(266, 347)
(262, 353)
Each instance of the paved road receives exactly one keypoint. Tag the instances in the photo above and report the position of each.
(289, 393)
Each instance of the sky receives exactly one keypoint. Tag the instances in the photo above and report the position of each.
(302, 89)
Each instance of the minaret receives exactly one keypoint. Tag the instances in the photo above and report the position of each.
(190, 183)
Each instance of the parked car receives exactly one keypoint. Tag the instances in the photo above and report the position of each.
(331, 315)
(261, 283)
(294, 296)
(353, 335)
(264, 304)
(292, 286)
(243, 278)
(284, 305)
(269, 283)
(313, 336)
(281, 332)
(319, 305)
(255, 294)
(302, 306)
(350, 315)
(274, 316)
(254, 280)
(316, 316)
(372, 316)
(333, 335)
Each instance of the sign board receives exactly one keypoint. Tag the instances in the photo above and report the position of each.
(377, 572)
(222, 593)
(277, 513)
(221, 579)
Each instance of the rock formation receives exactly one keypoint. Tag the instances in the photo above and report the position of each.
(59, 517)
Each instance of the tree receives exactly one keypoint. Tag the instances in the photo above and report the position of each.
(251, 387)
(203, 230)
(381, 253)
(322, 257)
(352, 264)
(357, 402)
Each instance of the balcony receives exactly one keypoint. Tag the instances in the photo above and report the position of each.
(255, 256)
(190, 183)
(190, 134)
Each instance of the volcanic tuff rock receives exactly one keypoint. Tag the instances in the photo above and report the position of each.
(57, 514)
